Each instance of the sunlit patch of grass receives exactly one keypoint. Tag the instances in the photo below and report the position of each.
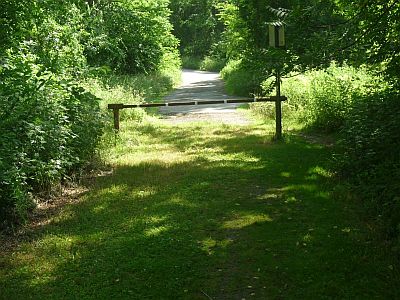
(181, 202)
(246, 220)
(210, 245)
(155, 231)
(318, 171)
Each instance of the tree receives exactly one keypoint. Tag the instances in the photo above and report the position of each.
(195, 25)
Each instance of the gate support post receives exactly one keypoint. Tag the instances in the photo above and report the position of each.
(116, 108)
(278, 108)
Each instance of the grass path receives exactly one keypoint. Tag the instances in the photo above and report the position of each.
(203, 211)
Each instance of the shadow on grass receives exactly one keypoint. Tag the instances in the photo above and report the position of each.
(236, 217)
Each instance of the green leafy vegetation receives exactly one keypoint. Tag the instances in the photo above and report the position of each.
(208, 63)
(129, 36)
(204, 209)
(50, 124)
(200, 210)
(344, 53)
(241, 79)
(322, 99)
(368, 158)
(196, 25)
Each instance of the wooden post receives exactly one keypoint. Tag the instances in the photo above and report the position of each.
(116, 108)
(278, 108)
(116, 118)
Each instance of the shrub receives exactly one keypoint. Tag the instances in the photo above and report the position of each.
(191, 62)
(130, 37)
(51, 127)
(241, 79)
(208, 63)
(370, 159)
(321, 99)
(331, 94)
(212, 64)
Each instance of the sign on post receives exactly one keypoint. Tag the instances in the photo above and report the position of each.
(277, 40)
(276, 35)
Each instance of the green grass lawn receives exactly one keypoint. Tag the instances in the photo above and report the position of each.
(203, 211)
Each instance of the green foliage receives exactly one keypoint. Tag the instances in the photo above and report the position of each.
(246, 33)
(12, 21)
(191, 62)
(51, 127)
(57, 42)
(212, 64)
(208, 63)
(195, 25)
(321, 99)
(370, 159)
(325, 97)
(52, 30)
(130, 37)
(235, 35)
(317, 33)
(372, 34)
(242, 77)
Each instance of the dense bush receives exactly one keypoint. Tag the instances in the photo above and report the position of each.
(49, 126)
(241, 78)
(325, 97)
(196, 25)
(130, 37)
(321, 99)
(370, 158)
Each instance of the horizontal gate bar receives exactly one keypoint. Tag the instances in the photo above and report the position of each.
(204, 102)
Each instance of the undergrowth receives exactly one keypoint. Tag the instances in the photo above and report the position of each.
(206, 63)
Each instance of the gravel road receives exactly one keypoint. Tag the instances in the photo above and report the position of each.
(201, 86)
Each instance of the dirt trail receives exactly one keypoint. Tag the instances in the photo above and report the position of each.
(201, 86)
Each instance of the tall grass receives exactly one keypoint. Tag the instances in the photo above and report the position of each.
(321, 99)
(132, 89)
